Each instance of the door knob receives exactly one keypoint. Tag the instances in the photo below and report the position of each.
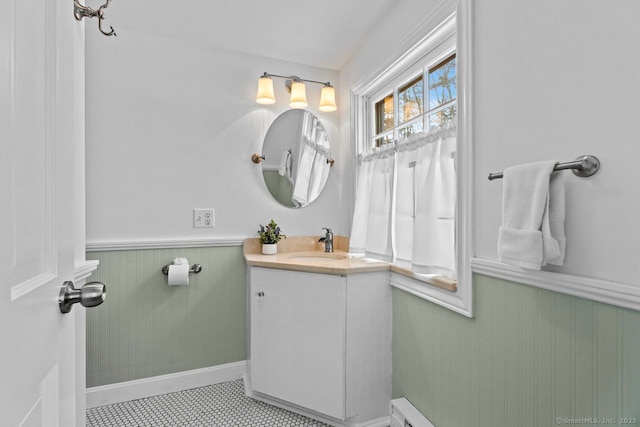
(89, 295)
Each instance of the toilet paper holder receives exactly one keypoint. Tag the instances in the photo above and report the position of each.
(195, 269)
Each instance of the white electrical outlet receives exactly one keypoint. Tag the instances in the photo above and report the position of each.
(204, 218)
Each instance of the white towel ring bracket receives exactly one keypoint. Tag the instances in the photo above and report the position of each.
(583, 167)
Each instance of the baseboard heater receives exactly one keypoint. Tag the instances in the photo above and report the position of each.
(404, 414)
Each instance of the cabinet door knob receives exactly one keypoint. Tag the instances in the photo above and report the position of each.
(260, 295)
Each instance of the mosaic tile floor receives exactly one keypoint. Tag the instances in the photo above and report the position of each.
(223, 404)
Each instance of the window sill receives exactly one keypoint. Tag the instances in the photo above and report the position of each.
(407, 281)
(438, 281)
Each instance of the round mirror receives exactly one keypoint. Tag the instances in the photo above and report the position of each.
(297, 158)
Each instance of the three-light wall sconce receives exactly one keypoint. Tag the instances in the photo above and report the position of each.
(295, 86)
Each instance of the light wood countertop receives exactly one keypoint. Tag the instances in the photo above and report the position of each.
(338, 262)
(307, 254)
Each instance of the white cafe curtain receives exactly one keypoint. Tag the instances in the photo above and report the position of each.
(406, 203)
(371, 230)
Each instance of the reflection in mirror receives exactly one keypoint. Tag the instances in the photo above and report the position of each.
(296, 158)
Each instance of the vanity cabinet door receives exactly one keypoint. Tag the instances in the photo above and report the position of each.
(298, 338)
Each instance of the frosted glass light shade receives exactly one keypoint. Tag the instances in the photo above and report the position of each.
(265, 91)
(328, 99)
(298, 95)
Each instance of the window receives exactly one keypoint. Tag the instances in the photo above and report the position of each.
(401, 103)
(412, 190)
(393, 121)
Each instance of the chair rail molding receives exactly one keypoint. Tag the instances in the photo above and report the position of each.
(123, 245)
(618, 294)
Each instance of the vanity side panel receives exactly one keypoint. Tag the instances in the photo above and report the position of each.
(368, 359)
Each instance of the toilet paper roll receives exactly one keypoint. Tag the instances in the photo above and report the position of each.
(179, 274)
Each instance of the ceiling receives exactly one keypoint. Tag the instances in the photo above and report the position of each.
(322, 33)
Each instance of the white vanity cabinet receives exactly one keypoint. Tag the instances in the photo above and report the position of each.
(322, 342)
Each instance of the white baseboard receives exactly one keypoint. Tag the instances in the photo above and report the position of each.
(147, 387)
(380, 422)
(404, 413)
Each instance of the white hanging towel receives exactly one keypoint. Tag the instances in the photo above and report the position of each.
(532, 231)
(285, 164)
(556, 218)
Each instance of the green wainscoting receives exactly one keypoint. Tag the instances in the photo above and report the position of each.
(530, 357)
(146, 328)
(280, 187)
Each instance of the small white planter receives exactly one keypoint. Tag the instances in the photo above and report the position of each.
(269, 248)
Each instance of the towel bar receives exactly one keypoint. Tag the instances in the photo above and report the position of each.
(583, 166)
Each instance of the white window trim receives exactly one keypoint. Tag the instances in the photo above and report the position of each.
(450, 17)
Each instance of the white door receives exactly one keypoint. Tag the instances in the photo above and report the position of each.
(41, 213)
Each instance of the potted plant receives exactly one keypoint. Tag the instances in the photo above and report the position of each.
(270, 236)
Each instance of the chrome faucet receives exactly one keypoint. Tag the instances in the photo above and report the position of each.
(328, 240)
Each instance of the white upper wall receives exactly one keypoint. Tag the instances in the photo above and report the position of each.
(171, 126)
(555, 80)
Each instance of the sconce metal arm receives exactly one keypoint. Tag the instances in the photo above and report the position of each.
(295, 78)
